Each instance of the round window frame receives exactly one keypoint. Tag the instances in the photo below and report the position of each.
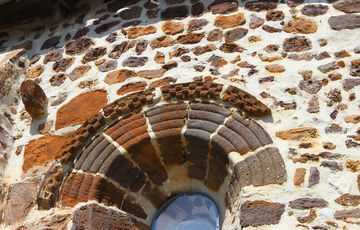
(172, 199)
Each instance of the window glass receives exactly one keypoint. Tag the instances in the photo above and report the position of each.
(187, 212)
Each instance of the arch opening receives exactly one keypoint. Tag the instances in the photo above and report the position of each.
(138, 157)
(187, 211)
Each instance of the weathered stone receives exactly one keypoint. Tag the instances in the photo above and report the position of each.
(347, 21)
(135, 61)
(296, 44)
(170, 65)
(257, 213)
(260, 5)
(93, 54)
(347, 214)
(310, 86)
(301, 56)
(78, 72)
(58, 100)
(230, 21)
(191, 38)
(215, 35)
(220, 7)
(314, 10)
(314, 176)
(266, 79)
(271, 29)
(335, 96)
(35, 71)
(354, 119)
(131, 12)
(301, 26)
(81, 32)
(196, 24)
(42, 151)
(55, 221)
(51, 42)
(350, 83)
(34, 59)
(348, 6)
(163, 41)
(57, 79)
(275, 15)
(135, 32)
(141, 46)
(119, 76)
(255, 22)
(329, 146)
(159, 57)
(80, 108)
(151, 4)
(172, 28)
(328, 67)
(307, 202)
(313, 105)
(355, 68)
(162, 82)
(322, 42)
(333, 165)
(34, 99)
(334, 128)
(130, 24)
(20, 199)
(217, 61)
(175, 12)
(78, 46)
(302, 133)
(111, 37)
(309, 218)
(122, 48)
(178, 52)
(199, 68)
(353, 165)
(231, 48)
(235, 34)
(151, 74)
(97, 217)
(322, 55)
(299, 176)
(105, 27)
(342, 54)
(63, 64)
(44, 128)
(53, 55)
(275, 68)
(131, 87)
(108, 65)
(197, 9)
(88, 84)
(199, 50)
(271, 48)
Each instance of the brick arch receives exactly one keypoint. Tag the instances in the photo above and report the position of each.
(125, 155)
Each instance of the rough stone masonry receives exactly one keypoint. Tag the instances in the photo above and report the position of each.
(112, 107)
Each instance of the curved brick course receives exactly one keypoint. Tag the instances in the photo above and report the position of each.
(131, 149)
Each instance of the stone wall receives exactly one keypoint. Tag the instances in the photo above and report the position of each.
(124, 104)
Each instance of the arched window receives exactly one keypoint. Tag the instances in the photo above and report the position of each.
(189, 211)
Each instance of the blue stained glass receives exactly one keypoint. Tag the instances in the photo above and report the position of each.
(188, 211)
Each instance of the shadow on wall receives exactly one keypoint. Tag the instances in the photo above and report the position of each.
(34, 23)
